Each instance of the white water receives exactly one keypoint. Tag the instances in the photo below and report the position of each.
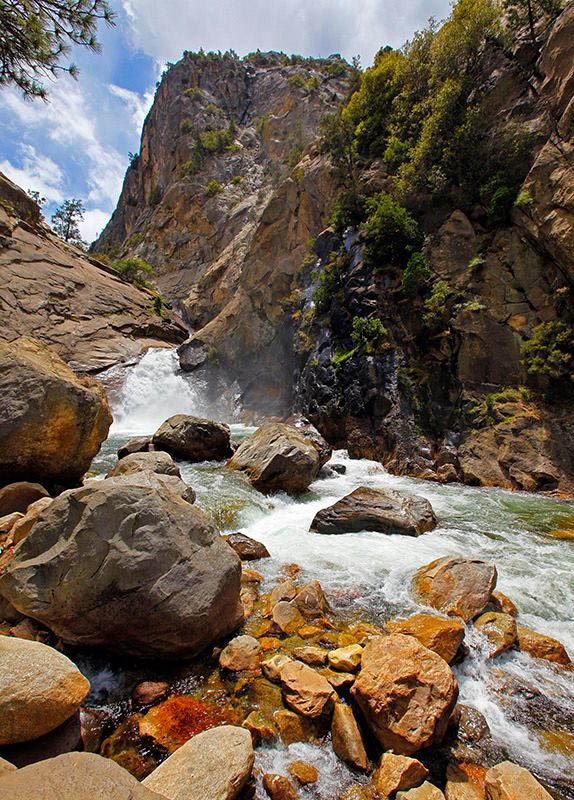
(371, 573)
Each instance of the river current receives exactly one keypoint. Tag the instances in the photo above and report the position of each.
(529, 704)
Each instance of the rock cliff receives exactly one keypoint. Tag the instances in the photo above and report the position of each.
(59, 295)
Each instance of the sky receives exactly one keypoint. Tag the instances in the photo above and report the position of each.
(77, 143)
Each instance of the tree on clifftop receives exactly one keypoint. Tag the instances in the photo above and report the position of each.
(35, 35)
(529, 12)
(66, 219)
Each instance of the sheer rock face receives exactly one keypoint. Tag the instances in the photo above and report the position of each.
(229, 258)
(63, 297)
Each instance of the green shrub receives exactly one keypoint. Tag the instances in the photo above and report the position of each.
(416, 275)
(135, 239)
(368, 335)
(436, 309)
(193, 91)
(550, 351)
(524, 199)
(350, 209)
(192, 166)
(236, 179)
(295, 156)
(330, 283)
(213, 188)
(215, 141)
(134, 269)
(391, 233)
(186, 125)
(297, 81)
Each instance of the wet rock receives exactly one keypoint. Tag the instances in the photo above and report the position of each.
(160, 463)
(460, 784)
(179, 718)
(71, 776)
(24, 525)
(292, 727)
(305, 774)
(39, 689)
(395, 773)
(541, 646)
(507, 781)
(381, 510)
(287, 617)
(286, 590)
(459, 587)
(145, 572)
(311, 600)
(16, 497)
(193, 438)
(272, 666)
(260, 727)
(215, 764)
(314, 656)
(95, 723)
(405, 692)
(309, 631)
(305, 690)
(142, 444)
(278, 787)
(147, 693)
(246, 548)
(442, 636)
(310, 432)
(502, 604)
(277, 458)
(499, 629)
(346, 737)
(346, 659)
(242, 653)
(425, 791)
(471, 723)
(52, 422)
(339, 680)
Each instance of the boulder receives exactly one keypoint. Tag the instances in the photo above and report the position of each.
(193, 438)
(346, 659)
(305, 691)
(426, 791)
(24, 525)
(287, 617)
(460, 786)
(314, 656)
(142, 444)
(172, 722)
(278, 787)
(310, 432)
(470, 723)
(396, 773)
(52, 422)
(502, 604)
(247, 548)
(442, 636)
(242, 653)
(405, 692)
(499, 629)
(277, 458)
(380, 510)
(152, 480)
(158, 462)
(273, 665)
(305, 774)
(541, 646)
(459, 587)
(215, 764)
(311, 600)
(346, 737)
(16, 497)
(39, 689)
(74, 776)
(508, 781)
(133, 568)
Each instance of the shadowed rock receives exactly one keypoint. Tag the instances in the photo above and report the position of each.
(193, 438)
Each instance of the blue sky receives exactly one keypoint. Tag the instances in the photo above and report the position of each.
(77, 144)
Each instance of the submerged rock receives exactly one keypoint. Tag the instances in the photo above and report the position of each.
(72, 776)
(158, 462)
(508, 781)
(499, 629)
(193, 438)
(52, 423)
(179, 718)
(215, 764)
(405, 692)
(459, 587)
(39, 689)
(381, 510)
(442, 636)
(147, 693)
(131, 568)
(278, 458)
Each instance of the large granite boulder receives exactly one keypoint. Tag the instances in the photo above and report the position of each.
(193, 438)
(457, 586)
(405, 692)
(39, 690)
(16, 497)
(52, 422)
(213, 765)
(74, 776)
(381, 510)
(161, 463)
(278, 458)
(508, 781)
(129, 567)
(152, 480)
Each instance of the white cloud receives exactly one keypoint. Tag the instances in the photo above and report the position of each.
(36, 173)
(93, 224)
(138, 106)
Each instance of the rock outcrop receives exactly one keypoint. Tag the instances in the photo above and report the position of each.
(130, 567)
(52, 423)
(381, 510)
(64, 298)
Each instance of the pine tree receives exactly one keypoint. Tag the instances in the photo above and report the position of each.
(66, 219)
(530, 12)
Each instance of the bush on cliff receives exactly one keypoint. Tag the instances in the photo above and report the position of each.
(391, 233)
(134, 269)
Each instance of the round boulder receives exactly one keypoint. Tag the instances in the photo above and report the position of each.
(129, 567)
(193, 438)
(247, 549)
(158, 462)
(381, 510)
(16, 497)
(52, 422)
(39, 689)
(406, 693)
(459, 587)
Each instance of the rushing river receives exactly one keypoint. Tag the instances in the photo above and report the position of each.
(528, 704)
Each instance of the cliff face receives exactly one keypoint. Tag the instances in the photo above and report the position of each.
(222, 200)
(55, 293)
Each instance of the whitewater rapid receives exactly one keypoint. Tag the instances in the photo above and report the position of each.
(370, 573)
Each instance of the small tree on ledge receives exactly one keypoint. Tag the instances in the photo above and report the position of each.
(65, 222)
